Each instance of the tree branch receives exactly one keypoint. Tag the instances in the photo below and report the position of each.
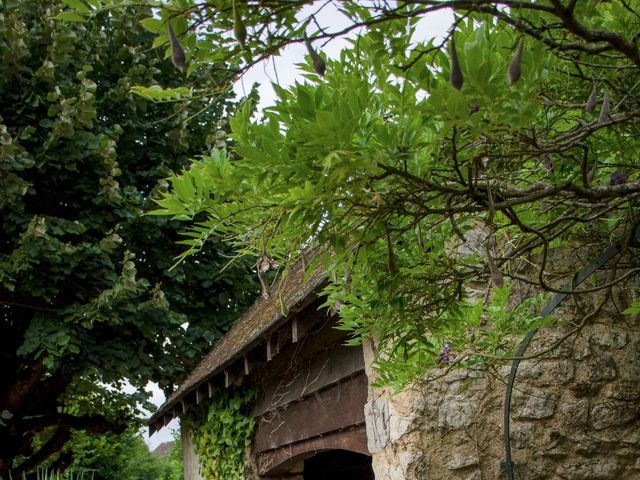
(88, 423)
(53, 445)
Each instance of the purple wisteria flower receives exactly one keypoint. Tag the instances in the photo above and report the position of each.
(618, 178)
(445, 354)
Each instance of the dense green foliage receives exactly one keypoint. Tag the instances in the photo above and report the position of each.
(431, 175)
(114, 457)
(87, 297)
(222, 430)
(123, 456)
(429, 195)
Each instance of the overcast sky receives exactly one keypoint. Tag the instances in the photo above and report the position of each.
(434, 25)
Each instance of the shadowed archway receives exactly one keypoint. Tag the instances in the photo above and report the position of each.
(338, 465)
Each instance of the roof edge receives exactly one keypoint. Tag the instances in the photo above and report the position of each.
(295, 292)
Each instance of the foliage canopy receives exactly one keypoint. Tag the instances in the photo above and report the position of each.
(116, 456)
(87, 297)
(426, 171)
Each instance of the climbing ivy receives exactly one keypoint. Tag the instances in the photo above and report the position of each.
(222, 431)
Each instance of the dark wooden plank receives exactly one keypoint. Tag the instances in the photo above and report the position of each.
(310, 375)
(270, 351)
(308, 318)
(247, 366)
(278, 461)
(294, 330)
(317, 339)
(335, 408)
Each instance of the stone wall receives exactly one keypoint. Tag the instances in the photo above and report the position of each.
(575, 409)
(191, 463)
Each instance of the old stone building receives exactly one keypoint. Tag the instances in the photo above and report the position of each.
(575, 405)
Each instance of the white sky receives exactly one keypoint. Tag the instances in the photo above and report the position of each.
(434, 25)
(166, 434)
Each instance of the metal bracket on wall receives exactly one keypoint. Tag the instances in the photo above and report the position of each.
(578, 278)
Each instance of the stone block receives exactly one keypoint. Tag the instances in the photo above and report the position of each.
(554, 373)
(592, 374)
(627, 391)
(606, 337)
(529, 370)
(574, 414)
(607, 468)
(550, 337)
(612, 414)
(585, 444)
(633, 438)
(521, 435)
(456, 413)
(630, 364)
(390, 466)
(456, 376)
(376, 415)
(598, 368)
(563, 371)
(534, 404)
(474, 476)
(459, 461)
(400, 424)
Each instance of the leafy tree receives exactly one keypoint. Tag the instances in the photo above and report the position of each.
(426, 171)
(116, 456)
(429, 170)
(174, 461)
(87, 297)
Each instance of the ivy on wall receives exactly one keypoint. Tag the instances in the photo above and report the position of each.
(222, 430)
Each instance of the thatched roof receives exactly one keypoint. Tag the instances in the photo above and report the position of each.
(266, 314)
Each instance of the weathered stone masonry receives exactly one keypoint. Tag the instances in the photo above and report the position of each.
(575, 412)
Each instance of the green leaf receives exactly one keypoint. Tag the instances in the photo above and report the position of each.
(70, 17)
(634, 309)
(160, 41)
(154, 25)
(78, 5)
(158, 94)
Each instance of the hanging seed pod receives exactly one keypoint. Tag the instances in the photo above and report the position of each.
(284, 309)
(263, 284)
(347, 275)
(335, 310)
(604, 110)
(456, 78)
(239, 29)
(317, 61)
(590, 106)
(496, 274)
(420, 238)
(392, 263)
(263, 265)
(177, 52)
(515, 67)
(592, 173)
